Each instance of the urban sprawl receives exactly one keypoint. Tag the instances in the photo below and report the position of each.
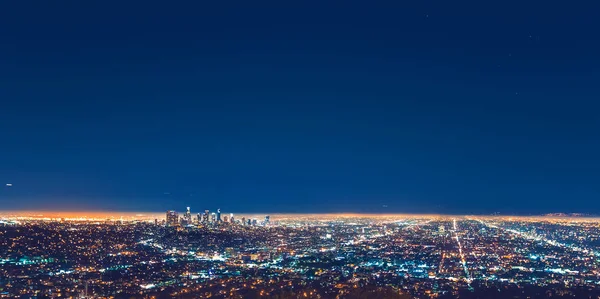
(218, 255)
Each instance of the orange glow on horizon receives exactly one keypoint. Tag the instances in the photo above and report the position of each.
(128, 216)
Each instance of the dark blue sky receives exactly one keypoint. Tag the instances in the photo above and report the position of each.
(306, 106)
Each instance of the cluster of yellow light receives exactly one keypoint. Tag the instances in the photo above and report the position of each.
(141, 216)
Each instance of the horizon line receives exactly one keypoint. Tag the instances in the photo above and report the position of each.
(141, 213)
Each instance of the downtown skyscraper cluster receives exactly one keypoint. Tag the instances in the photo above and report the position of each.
(210, 219)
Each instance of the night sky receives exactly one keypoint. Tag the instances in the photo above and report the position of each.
(300, 106)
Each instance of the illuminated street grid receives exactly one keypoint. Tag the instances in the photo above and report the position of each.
(303, 256)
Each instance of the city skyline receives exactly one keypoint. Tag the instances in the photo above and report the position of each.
(150, 216)
(293, 149)
(311, 256)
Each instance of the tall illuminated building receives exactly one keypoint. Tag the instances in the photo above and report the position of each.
(187, 218)
(267, 219)
(172, 218)
(218, 215)
(205, 217)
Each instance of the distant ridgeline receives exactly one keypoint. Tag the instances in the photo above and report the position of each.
(568, 215)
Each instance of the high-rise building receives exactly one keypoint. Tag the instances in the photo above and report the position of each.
(267, 219)
(231, 218)
(243, 220)
(213, 217)
(187, 218)
(172, 218)
(206, 216)
(225, 219)
(218, 215)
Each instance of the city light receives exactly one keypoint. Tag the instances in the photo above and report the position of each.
(421, 256)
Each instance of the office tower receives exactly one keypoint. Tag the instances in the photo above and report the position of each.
(155, 221)
(243, 220)
(198, 218)
(218, 215)
(267, 219)
(231, 218)
(213, 218)
(225, 219)
(172, 218)
(254, 222)
(206, 216)
(187, 218)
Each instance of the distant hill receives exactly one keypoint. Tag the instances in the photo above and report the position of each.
(568, 215)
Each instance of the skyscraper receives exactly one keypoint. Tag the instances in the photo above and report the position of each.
(218, 215)
(172, 218)
(187, 218)
(205, 217)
